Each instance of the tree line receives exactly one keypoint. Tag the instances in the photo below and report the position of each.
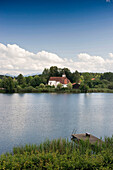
(39, 82)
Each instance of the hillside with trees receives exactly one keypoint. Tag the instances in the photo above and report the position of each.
(89, 82)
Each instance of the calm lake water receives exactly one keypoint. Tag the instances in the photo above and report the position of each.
(33, 118)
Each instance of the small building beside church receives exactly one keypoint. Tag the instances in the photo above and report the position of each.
(75, 85)
(54, 81)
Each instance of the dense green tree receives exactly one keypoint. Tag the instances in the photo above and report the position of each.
(90, 84)
(44, 79)
(35, 81)
(84, 88)
(19, 89)
(28, 79)
(69, 86)
(5, 82)
(54, 71)
(46, 72)
(15, 82)
(8, 84)
(87, 77)
(41, 85)
(108, 76)
(76, 77)
(110, 86)
(81, 78)
(21, 79)
(59, 86)
(68, 73)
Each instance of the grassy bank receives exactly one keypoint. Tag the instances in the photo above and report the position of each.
(54, 90)
(60, 154)
(100, 90)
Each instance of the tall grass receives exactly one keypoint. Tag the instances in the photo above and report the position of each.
(60, 154)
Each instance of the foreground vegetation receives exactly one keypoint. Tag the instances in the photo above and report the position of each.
(89, 82)
(60, 154)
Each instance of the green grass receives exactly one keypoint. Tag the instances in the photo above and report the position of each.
(100, 90)
(60, 154)
(55, 90)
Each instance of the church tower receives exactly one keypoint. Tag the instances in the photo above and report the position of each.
(63, 75)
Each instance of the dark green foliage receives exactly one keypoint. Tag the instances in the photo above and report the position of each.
(21, 79)
(28, 79)
(59, 86)
(60, 154)
(108, 76)
(69, 86)
(41, 85)
(68, 73)
(44, 79)
(84, 88)
(1, 76)
(35, 81)
(46, 72)
(110, 86)
(87, 77)
(76, 77)
(8, 84)
(53, 71)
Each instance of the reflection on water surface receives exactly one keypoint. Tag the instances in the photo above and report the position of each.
(32, 118)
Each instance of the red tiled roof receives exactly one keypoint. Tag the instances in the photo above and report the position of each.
(73, 84)
(93, 79)
(62, 80)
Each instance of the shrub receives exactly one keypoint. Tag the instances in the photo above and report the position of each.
(59, 86)
(84, 88)
(41, 85)
(110, 86)
(69, 86)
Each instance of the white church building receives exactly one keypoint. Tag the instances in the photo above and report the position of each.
(54, 81)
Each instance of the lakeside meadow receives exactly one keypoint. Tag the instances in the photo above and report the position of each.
(60, 154)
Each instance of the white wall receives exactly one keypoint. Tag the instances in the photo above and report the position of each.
(53, 83)
(64, 85)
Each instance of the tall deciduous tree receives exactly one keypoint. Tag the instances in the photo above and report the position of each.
(35, 81)
(46, 71)
(28, 79)
(8, 84)
(76, 77)
(54, 71)
(84, 88)
(69, 86)
(21, 79)
(68, 73)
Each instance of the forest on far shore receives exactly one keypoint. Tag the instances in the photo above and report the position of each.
(89, 82)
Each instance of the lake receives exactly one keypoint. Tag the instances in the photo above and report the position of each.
(34, 117)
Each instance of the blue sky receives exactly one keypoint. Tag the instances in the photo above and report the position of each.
(63, 27)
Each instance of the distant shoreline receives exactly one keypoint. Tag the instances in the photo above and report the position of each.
(77, 91)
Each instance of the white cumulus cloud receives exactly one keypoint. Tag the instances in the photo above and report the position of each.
(15, 60)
